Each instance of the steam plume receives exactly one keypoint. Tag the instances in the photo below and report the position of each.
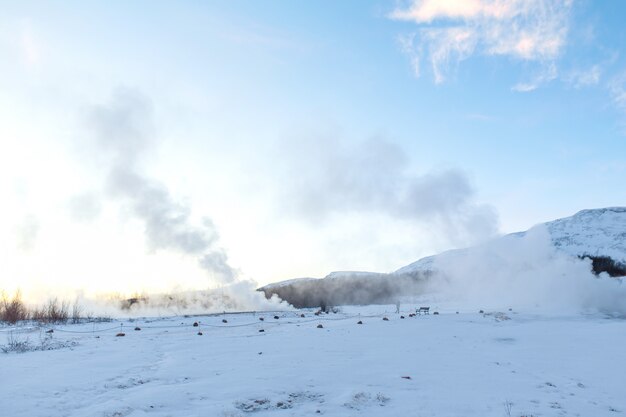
(324, 176)
(124, 130)
(525, 270)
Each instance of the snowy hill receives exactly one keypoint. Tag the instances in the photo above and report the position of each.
(599, 234)
(594, 233)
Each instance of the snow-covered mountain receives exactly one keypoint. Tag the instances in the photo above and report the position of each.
(595, 233)
(599, 234)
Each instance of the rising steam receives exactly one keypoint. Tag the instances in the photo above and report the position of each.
(323, 176)
(524, 270)
(124, 130)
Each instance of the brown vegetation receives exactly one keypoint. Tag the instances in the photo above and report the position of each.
(14, 309)
(54, 311)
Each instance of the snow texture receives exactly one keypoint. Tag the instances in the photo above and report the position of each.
(499, 363)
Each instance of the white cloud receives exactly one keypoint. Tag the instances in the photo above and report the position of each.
(449, 45)
(543, 76)
(617, 89)
(425, 11)
(406, 44)
(584, 77)
(451, 31)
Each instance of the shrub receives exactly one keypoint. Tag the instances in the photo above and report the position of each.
(77, 310)
(53, 312)
(16, 344)
(21, 344)
(13, 310)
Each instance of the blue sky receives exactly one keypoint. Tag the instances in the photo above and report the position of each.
(315, 136)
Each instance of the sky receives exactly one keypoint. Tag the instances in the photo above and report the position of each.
(151, 146)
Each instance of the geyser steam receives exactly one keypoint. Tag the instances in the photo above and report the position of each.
(524, 270)
(124, 131)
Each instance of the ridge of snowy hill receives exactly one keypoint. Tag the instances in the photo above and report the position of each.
(598, 232)
(335, 275)
(593, 232)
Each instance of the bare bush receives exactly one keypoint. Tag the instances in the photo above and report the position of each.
(77, 311)
(16, 344)
(12, 310)
(54, 311)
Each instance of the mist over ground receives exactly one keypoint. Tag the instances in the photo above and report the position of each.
(77, 306)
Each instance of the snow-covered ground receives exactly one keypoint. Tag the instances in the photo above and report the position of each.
(517, 363)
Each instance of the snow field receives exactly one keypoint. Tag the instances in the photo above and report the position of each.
(467, 364)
